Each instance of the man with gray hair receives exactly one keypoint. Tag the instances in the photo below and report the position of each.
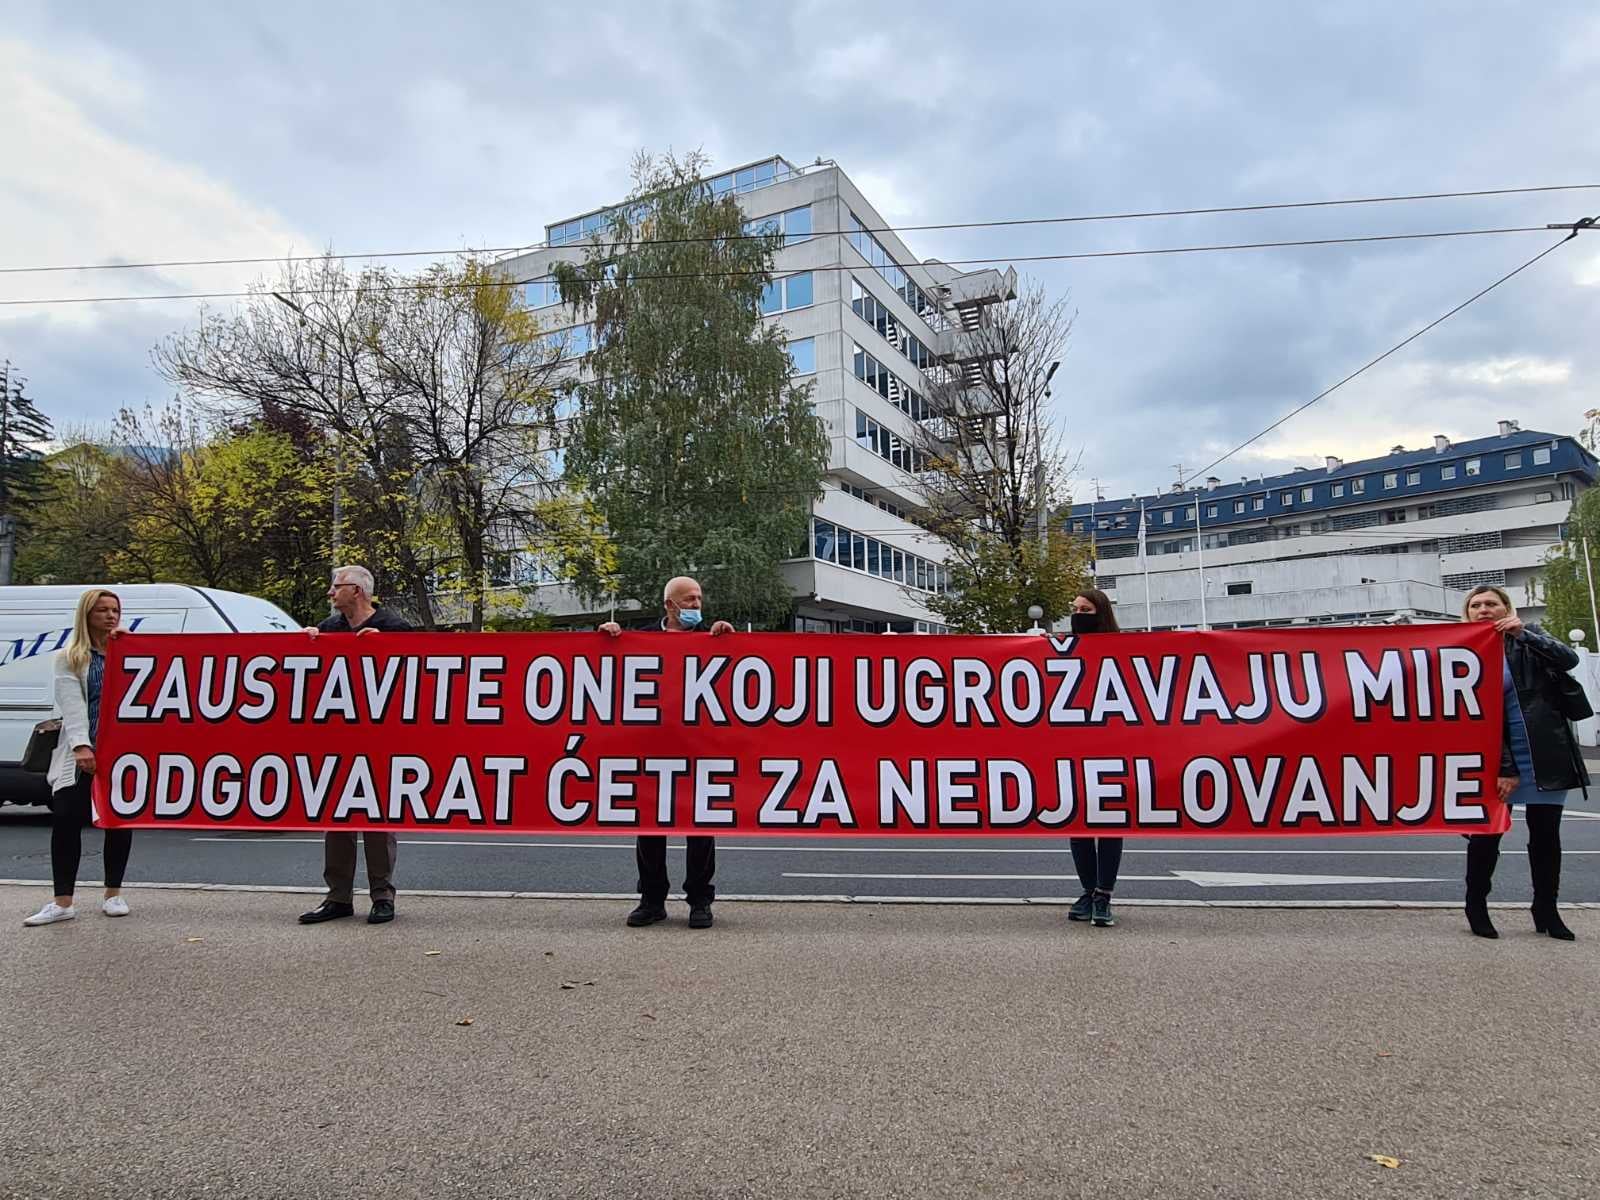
(350, 597)
(683, 600)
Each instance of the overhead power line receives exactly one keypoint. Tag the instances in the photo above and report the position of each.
(1586, 223)
(958, 262)
(1003, 223)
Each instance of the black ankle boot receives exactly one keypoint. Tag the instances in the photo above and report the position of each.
(1478, 919)
(1547, 920)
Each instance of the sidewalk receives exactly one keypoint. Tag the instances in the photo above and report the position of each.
(208, 1045)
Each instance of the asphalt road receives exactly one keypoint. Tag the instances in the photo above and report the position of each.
(1416, 868)
(205, 1046)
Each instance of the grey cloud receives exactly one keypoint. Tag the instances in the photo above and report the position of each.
(410, 125)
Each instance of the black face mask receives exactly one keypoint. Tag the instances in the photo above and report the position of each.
(1085, 622)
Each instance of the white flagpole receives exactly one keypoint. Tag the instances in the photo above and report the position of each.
(1144, 563)
(1199, 550)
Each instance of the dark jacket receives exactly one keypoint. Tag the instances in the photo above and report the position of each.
(1535, 659)
(382, 619)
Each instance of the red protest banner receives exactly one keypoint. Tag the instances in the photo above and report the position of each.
(1376, 730)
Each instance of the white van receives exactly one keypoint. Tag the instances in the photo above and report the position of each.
(35, 622)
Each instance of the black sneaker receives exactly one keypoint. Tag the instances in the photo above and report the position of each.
(1082, 908)
(1102, 910)
(700, 916)
(328, 910)
(382, 911)
(647, 914)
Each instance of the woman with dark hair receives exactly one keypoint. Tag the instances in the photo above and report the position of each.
(1096, 859)
(1540, 764)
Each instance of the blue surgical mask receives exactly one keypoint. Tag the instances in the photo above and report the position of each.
(688, 617)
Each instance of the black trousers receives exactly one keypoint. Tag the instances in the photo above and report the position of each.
(1097, 860)
(1544, 856)
(339, 864)
(651, 855)
(69, 813)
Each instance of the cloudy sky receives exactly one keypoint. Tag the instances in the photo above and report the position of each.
(168, 130)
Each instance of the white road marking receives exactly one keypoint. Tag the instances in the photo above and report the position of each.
(869, 875)
(1248, 879)
(1198, 878)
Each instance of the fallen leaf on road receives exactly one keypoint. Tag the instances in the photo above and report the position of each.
(1383, 1160)
(194, 939)
(1385, 1054)
(468, 1021)
(648, 1016)
(549, 953)
(432, 953)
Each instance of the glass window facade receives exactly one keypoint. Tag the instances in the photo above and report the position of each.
(794, 225)
(890, 386)
(541, 293)
(867, 306)
(1391, 480)
(1413, 478)
(1513, 462)
(745, 179)
(1541, 456)
(781, 295)
(1448, 471)
(888, 445)
(573, 342)
(1357, 486)
(1307, 495)
(1474, 466)
(845, 548)
(803, 356)
(883, 262)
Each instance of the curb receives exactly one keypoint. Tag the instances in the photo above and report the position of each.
(755, 898)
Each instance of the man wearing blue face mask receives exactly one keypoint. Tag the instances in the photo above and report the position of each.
(683, 601)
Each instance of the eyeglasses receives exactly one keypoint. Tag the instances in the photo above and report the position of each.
(337, 586)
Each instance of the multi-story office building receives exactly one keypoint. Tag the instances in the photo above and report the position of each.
(872, 331)
(1393, 538)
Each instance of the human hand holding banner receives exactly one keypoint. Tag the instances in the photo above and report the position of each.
(1367, 730)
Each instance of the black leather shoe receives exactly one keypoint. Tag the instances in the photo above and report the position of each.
(700, 916)
(382, 911)
(328, 910)
(1082, 908)
(647, 914)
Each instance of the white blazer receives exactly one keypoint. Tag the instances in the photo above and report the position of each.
(72, 706)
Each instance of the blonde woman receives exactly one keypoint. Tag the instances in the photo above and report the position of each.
(1540, 763)
(79, 671)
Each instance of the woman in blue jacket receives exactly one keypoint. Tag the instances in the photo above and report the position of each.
(1540, 764)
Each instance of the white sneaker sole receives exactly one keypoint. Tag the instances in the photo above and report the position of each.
(31, 923)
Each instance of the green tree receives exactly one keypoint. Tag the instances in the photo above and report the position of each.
(1564, 583)
(992, 583)
(433, 398)
(23, 481)
(699, 451)
(80, 522)
(995, 461)
(216, 509)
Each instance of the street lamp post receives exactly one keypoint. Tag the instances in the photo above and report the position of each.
(338, 433)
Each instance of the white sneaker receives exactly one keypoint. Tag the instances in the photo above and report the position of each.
(115, 906)
(50, 914)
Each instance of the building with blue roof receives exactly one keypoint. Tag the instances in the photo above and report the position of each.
(1401, 537)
